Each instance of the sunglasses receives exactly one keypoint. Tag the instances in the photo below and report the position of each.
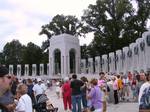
(8, 76)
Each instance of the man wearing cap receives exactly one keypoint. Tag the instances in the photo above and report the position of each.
(6, 97)
(38, 88)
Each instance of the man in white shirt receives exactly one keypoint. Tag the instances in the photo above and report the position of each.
(39, 88)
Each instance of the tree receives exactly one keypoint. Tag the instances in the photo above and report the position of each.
(12, 52)
(32, 54)
(116, 23)
(61, 24)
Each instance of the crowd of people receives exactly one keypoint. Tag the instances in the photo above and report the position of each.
(78, 94)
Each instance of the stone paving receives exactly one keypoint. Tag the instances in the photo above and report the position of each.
(121, 107)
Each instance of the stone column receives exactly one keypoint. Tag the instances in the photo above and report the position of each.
(97, 65)
(26, 70)
(48, 70)
(18, 70)
(104, 63)
(131, 56)
(11, 69)
(41, 69)
(140, 55)
(118, 61)
(83, 66)
(111, 62)
(147, 50)
(34, 70)
(125, 60)
(90, 65)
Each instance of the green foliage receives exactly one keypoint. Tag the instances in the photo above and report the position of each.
(115, 23)
(61, 24)
(12, 52)
(32, 54)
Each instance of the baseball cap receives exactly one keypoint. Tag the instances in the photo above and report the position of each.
(39, 79)
(3, 71)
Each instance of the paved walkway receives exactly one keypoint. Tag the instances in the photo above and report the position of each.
(121, 107)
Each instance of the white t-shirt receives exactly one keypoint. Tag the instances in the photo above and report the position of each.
(38, 89)
(145, 85)
(24, 104)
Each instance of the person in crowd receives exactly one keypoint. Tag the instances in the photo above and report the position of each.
(14, 85)
(144, 95)
(76, 93)
(83, 93)
(120, 87)
(126, 87)
(96, 97)
(6, 97)
(24, 103)
(115, 89)
(38, 88)
(30, 90)
(66, 94)
(102, 83)
(134, 88)
(58, 89)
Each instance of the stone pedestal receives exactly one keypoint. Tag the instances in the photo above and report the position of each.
(90, 65)
(140, 55)
(97, 65)
(147, 50)
(111, 62)
(83, 66)
(11, 69)
(34, 70)
(125, 60)
(18, 70)
(104, 63)
(118, 61)
(41, 69)
(26, 70)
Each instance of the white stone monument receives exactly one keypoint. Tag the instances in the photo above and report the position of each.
(34, 70)
(97, 64)
(26, 70)
(131, 56)
(64, 55)
(125, 60)
(140, 55)
(118, 61)
(90, 65)
(111, 62)
(48, 69)
(147, 50)
(18, 70)
(83, 66)
(104, 63)
(41, 69)
(11, 69)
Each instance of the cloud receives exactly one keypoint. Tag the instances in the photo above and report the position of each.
(22, 19)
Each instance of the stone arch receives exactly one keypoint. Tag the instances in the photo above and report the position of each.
(72, 60)
(57, 61)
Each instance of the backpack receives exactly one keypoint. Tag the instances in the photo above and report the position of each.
(145, 99)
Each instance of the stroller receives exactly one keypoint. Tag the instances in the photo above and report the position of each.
(41, 104)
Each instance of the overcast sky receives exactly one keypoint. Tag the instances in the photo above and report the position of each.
(22, 19)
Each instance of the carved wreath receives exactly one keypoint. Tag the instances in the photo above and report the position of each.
(136, 50)
(129, 53)
(142, 46)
